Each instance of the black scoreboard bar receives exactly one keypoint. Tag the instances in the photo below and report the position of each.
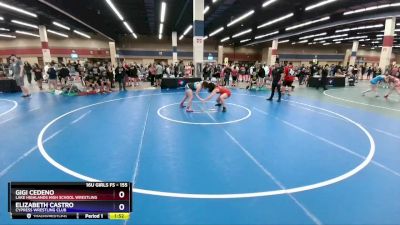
(61, 216)
(70, 200)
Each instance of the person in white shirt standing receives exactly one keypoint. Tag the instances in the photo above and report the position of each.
(18, 72)
(159, 73)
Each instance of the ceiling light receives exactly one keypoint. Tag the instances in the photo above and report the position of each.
(275, 20)
(245, 40)
(293, 43)
(225, 39)
(283, 41)
(82, 34)
(131, 31)
(216, 31)
(311, 36)
(206, 9)
(17, 9)
(128, 27)
(322, 42)
(114, 9)
(188, 29)
(163, 8)
(342, 30)
(24, 24)
(206, 37)
(1, 18)
(351, 38)
(319, 4)
(326, 43)
(266, 35)
(331, 37)
(339, 42)
(57, 33)
(7, 36)
(359, 28)
(26, 33)
(62, 26)
(161, 28)
(267, 3)
(160, 36)
(214, 1)
(181, 37)
(371, 8)
(4, 29)
(241, 18)
(242, 33)
(307, 23)
(303, 41)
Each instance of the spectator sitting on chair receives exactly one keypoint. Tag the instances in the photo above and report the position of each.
(90, 81)
(104, 82)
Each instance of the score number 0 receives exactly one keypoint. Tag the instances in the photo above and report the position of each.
(121, 206)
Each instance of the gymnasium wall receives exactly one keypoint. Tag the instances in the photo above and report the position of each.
(145, 50)
(303, 53)
(372, 56)
(242, 54)
(29, 49)
(330, 54)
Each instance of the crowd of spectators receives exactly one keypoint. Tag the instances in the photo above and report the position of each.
(102, 77)
(259, 75)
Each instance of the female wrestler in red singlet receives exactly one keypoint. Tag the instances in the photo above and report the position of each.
(224, 93)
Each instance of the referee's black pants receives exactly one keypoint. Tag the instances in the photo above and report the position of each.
(277, 86)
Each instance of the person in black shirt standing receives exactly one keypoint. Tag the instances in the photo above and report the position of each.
(206, 72)
(363, 70)
(63, 74)
(301, 74)
(38, 75)
(324, 78)
(120, 74)
(277, 76)
(28, 71)
(227, 75)
(260, 76)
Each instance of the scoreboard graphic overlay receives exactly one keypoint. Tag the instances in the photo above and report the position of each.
(72, 200)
